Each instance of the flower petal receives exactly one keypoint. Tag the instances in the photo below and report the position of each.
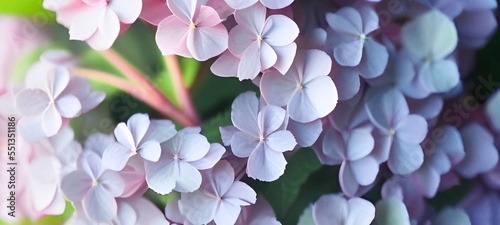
(279, 30)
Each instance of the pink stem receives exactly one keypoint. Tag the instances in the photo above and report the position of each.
(175, 70)
(158, 104)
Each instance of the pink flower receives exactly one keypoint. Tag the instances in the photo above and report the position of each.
(95, 21)
(193, 31)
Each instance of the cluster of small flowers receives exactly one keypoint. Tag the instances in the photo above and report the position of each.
(365, 95)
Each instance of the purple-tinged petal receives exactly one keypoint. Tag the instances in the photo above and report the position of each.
(240, 4)
(370, 19)
(305, 134)
(83, 31)
(69, 106)
(138, 125)
(75, 185)
(270, 119)
(99, 205)
(426, 181)
(348, 183)
(349, 53)
(319, 96)
(189, 178)
(126, 10)
(334, 146)
(161, 175)
(281, 141)
(124, 136)
(183, 9)
(276, 4)
(280, 30)
(365, 170)
(112, 182)
(198, 207)
(330, 209)
(411, 129)
(441, 76)
(265, 164)
(243, 144)
(345, 21)
(361, 212)
(240, 37)
(268, 56)
(106, 32)
(491, 110)
(250, 65)
(385, 107)
(359, 143)
(150, 151)
(347, 82)
(277, 88)
(227, 133)
(316, 64)
(405, 157)
(211, 158)
(252, 17)
(227, 213)
(115, 156)
(481, 155)
(374, 60)
(51, 121)
(240, 194)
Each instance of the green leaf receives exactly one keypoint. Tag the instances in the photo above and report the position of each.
(211, 128)
(282, 193)
(190, 69)
(27, 8)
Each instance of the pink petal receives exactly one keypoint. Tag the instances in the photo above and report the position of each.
(31, 102)
(92, 16)
(126, 10)
(44, 177)
(107, 31)
(154, 11)
(172, 30)
(207, 42)
(226, 65)
(207, 17)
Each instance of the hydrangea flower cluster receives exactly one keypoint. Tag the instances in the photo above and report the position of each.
(378, 96)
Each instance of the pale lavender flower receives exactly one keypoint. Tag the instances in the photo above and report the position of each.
(481, 155)
(399, 132)
(95, 186)
(181, 158)
(272, 4)
(334, 209)
(262, 42)
(139, 136)
(482, 205)
(219, 198)
(428, 51)
(306, 89)
(258, 133)
(196, 29)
